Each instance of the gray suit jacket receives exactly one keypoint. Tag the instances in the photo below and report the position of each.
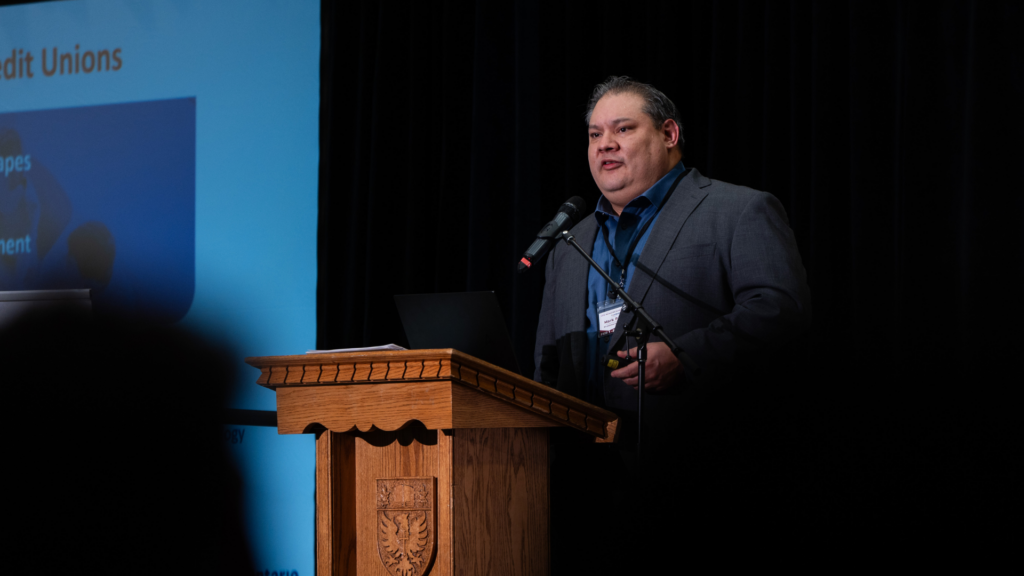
(720, 271)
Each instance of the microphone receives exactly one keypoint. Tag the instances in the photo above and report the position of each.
(569, 214)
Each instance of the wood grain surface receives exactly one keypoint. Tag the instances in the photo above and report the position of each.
(387, 406)
(336, 532)
(477, 429)
(500, 522)
(492, 498)
(391, 406)
(412, 452)
(474, 410)
(364, 369)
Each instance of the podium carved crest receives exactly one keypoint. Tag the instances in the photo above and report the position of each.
(406, 525)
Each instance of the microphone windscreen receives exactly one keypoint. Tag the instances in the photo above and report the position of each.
(575, 207)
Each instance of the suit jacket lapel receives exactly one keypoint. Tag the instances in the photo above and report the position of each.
(688, 194)
(575, 270)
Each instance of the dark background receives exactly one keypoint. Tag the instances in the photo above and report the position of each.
(891, 132)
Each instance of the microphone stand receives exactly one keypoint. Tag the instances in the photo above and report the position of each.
(640, 328)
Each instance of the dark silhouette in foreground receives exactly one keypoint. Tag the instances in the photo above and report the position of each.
(115, 461)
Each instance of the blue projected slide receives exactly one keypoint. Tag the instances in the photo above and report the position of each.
(102, 197)
(165, 154)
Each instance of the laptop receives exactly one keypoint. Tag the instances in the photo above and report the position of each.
(470, 322)
(14, 304)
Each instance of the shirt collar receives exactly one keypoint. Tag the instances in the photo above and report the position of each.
(652, 197)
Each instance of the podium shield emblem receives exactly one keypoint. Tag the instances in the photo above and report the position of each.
(406, 525)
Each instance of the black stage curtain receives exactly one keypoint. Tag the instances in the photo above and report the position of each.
(891, 131)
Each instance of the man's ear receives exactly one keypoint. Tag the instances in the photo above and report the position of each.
(670, 133)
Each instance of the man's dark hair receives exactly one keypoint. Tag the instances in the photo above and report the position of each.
(656, 104)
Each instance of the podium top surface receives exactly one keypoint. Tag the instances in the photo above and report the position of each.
(458, 389)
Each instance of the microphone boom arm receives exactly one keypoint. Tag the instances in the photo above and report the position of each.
(640, 327)
(646, 322)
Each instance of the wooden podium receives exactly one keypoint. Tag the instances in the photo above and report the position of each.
(427, 461)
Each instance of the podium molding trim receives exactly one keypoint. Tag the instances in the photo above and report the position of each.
(317, 387)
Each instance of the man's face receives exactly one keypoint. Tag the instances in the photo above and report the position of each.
(627, 153)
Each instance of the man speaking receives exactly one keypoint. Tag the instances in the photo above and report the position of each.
(715, 264)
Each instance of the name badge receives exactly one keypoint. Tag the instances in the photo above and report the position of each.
(608, 315)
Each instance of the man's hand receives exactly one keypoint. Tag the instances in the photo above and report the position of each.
(662, 370)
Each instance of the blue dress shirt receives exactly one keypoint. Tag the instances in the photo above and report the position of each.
(622, 230)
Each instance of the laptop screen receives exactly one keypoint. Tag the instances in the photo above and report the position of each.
(470, 322)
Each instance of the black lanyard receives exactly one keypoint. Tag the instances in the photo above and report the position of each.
(636, 238)
(629, 252)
